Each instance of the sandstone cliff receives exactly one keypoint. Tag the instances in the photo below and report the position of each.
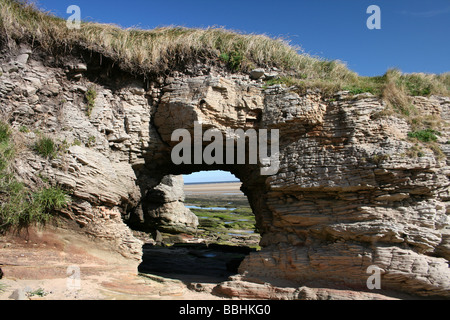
(353, 190)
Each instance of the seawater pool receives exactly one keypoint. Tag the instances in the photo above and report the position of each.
(212, 208)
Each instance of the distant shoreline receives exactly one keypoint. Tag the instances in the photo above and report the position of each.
(214, 182)
(224, 188)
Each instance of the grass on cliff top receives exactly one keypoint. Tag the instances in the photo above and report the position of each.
(162, 49)
(159, 49)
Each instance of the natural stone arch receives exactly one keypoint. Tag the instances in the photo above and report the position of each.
(344, 199)
(347, 194)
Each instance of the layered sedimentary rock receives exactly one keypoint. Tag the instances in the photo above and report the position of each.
(162, 208)
(349, 193)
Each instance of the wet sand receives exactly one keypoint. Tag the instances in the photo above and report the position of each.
(214, 188)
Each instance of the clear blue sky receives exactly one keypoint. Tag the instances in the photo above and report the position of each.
(414, 35)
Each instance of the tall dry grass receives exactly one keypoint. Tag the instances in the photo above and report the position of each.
(158, 49)
(161, 49)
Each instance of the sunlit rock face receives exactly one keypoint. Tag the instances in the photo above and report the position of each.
(349, 193)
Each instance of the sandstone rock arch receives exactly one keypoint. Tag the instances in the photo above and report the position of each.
(347, 195)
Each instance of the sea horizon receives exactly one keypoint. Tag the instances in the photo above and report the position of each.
(210, 182)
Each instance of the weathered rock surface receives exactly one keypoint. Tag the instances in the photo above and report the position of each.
(52, 252)
(163, 207)
(348, 194)
(236, 287)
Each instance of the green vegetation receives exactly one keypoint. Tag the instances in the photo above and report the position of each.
(435, 147)
(5, 132)
(46, 147)
(90, 96)
(38, 292)
(6, 149)
(373, 85)
(91, 141)
(426, 135)
(222, 226)
(24, 129)
(418, 85)
(23, 207)
(288, 81)
(236, 219)
(407, 110)
(234, 59)
(427, 138)
(20, 206)
(394, 86)
(3, 287)
(48, 199)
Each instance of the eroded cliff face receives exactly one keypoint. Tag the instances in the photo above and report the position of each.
(349, 193)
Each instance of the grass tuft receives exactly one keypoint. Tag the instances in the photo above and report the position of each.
(427, 135)
(20, 206)
(46, 147)
(90, 96)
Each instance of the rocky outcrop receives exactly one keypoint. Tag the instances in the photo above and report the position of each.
(236, 287)
(93, 164)
(163, 208)
(349, 193)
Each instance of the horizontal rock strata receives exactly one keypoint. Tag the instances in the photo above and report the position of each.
(348, 195)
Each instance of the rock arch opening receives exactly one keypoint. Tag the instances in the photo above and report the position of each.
(223, 211)
(202, 229)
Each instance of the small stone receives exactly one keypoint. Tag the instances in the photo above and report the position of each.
(257, 74)
(81, 67)
(28, 91)
(18, 294)
(137, 90)
(170, 80)
(270, 75)
(158, 236)
(35, 82)
(38, 108)
(25, 50)
(13, 68)
(52, 89)
(77, 76)
(23, 58)
(81, 89)
(118, 137)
